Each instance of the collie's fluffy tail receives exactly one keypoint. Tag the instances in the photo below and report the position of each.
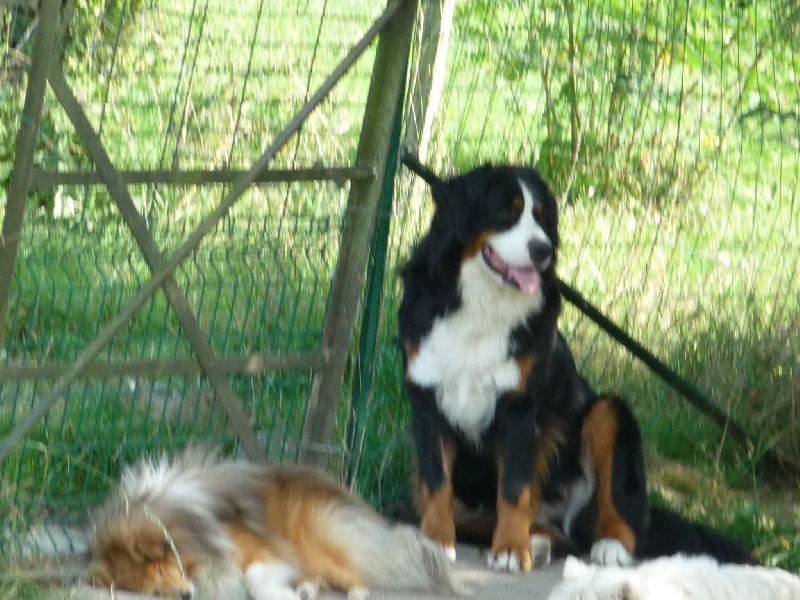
(670, 533)
(391, 556)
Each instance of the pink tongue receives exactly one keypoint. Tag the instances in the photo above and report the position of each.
(526, 279)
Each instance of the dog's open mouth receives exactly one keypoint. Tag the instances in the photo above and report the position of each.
(526, 279)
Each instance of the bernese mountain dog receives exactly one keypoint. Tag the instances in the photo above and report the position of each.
(502, 420)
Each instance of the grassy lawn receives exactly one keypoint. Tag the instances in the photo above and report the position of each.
(669, 129)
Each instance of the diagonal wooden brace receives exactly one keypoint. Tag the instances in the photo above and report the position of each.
(154, 258)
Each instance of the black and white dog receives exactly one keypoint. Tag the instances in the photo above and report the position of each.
(501, 418)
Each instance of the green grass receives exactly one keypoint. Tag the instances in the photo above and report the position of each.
(22, 590)
(669, 141)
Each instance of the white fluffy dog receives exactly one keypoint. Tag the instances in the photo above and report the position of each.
(676, 577)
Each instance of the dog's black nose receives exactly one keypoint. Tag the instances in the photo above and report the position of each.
(187, 595)
(541, 252)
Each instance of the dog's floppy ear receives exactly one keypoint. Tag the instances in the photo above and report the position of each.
(460, 200)
(551, 214)
(448, 227)
(100, 574)
(150, 545)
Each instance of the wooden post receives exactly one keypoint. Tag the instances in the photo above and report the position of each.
(435, 24)
(388, 77)
(43, 56)
(154, 258)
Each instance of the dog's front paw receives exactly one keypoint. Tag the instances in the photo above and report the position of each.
(307, 590)
(510, 553)
(507, 561)
(275, 593)
(610, 552)
(443, 532)
(357, 593)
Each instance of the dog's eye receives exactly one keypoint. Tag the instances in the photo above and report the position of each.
(537, 210)
(511, 211)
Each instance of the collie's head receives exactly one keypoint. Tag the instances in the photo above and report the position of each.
(503, 221)
(156, 531)
(142, 558)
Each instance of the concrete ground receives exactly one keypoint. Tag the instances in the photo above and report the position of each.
(481, 582)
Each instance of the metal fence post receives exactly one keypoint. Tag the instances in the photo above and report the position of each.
(364, 380)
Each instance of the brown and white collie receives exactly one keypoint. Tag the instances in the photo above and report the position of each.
(199, 525)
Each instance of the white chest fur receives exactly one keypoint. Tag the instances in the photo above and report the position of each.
(465, 357)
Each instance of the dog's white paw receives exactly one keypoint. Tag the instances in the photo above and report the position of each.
(307, 590)
(357, 593)
(271, 581)
(610, 552)
(541, 551)
(518, 561)
(450, 552)
(275, 593)
(504, 561)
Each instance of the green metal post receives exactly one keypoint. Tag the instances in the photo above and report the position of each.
(363, 381)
